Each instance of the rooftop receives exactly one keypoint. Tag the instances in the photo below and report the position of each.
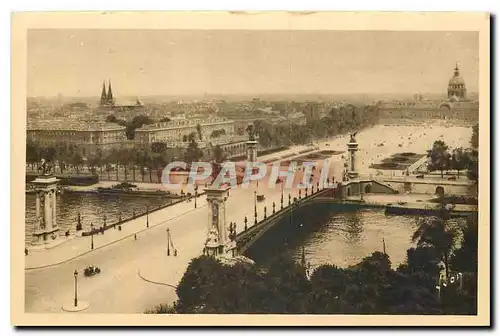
(71, 125)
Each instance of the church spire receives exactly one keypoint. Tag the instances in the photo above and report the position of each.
(110, 94)
(103, 94)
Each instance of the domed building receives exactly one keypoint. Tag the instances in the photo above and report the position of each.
(456, 87)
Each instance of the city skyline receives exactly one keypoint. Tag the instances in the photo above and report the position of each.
(171, 62)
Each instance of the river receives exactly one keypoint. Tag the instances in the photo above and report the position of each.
(92, 208)
(339, 237)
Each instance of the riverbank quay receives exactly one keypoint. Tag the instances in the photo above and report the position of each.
(412, 204)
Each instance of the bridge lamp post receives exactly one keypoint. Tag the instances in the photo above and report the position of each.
(246, 221)
(76, 288)
(147, 216)
(168, 242)
(255, 205)
(195, 195)
(91, 236)
(281, 195)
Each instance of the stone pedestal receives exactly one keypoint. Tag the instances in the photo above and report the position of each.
(352, 170)
(251, 150)
(45, 231)
(218, 242)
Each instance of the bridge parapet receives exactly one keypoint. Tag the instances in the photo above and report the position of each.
(246, 238)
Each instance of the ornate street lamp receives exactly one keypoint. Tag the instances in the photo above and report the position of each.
(282, 195)
(168, 242)
(246, 221)
(300, 193)
(147, 215)
(91, 236)
(195, 195)
(76, 286)
(274, 206)
(289, 199)
(265, 214)
(255, 206)
(79, 222)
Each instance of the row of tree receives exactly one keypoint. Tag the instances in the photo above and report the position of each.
(369, 287)
(338, 121)
(442, 158)
(133, 161)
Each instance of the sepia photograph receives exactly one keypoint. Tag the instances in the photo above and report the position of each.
(274, 169)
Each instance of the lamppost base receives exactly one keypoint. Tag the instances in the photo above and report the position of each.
(71, 308)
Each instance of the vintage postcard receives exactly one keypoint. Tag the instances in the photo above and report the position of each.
(270, 168)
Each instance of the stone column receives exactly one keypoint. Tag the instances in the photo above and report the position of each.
(47, 210)
(54, 200)
(37, 205)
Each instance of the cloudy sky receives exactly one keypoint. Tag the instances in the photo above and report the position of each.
(172, 62)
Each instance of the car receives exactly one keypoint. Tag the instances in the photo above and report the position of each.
(421, 176)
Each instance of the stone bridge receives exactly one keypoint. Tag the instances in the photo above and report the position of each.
(249, 235)
(334, 193)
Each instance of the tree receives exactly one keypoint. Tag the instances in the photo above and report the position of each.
(438, 233)
(439, 157)
(198, 130)
(473, 168)
(136, 123)
(158, 147)
(218, 154)
(465, 258)
(111, 118)
(474, 141)
(460, 160)
(193, 153)
(76, 160)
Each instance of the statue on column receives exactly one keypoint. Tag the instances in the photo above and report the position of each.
(353, 136)
(45, 167)
(251, 132)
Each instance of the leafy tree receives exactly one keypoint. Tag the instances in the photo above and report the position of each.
(465, 258)
(473, 162)
(33, 152)
(460, 160)
(111, 118)
(474, 141)
(137, 122)
(158, 147)
(218, 154)
(438, 233)
(198, 130)
(439, 157)
(193, 153)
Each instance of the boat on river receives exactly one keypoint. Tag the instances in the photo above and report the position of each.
(129, 189)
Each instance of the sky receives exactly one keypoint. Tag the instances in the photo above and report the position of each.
(175, 62)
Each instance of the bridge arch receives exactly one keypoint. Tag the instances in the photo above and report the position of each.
(439, 191)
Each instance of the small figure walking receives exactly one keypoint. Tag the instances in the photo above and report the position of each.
(25, 251)
(175, 253)
(135, 236)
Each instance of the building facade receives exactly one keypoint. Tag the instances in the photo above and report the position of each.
(175, 131)
(457, 105)
(88, 137)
